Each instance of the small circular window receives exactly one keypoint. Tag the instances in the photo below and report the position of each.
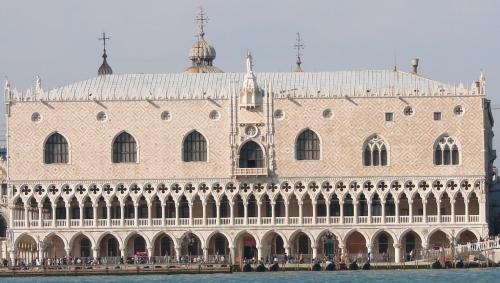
(279, 114)
(408, 111)
(165, 116)
(327, 113)
(458, 110)
(251, 131)
(214, 115)
(36, 117)
(101, 116)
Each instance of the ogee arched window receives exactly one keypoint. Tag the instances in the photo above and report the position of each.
(375, 152)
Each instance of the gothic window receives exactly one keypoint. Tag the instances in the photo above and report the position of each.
(195, 147)
(307, 146)
(124, 149)
(251, 156)
(375, 152)
(446, 152)
(56, 149)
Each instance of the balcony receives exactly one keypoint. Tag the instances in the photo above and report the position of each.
(250, 172)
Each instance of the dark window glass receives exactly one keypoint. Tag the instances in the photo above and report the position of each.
(251, 156)
(124, 149)
(195, 147)
(56, 149)
(307, 147)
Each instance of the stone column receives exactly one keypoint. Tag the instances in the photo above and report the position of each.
(369, 204)
(259, 215)
(136, 214)
(382, 204)
(231, 212)
(273, 213)
(11, 215)
(314, 251)
(341, 206)
(355, 208)
(82, 206)
(95, 252)
(178, 253)
(482, 209)
(245, 213)
(26, 215)
(397, 252)
(122, 252)
(40, 251)
(439, 210)
(190, 213)
(150, 214)
(68, 251)
(150, 253)
(232, 254)
(12, 254)
(68, 216)
(424, 208)
(163, 205)
(259, 252)
(396, 207)
(177, 210)
(40, 215)
(287, 212)
(300, 212)
(205, 254)
(410, 210)
(467, 211)
(217, 207)
(122, 214)
(453, 211)
(204, 204)
(54, 210)
(94, 207)
(314, 204)
(108, 214)
(327, 203)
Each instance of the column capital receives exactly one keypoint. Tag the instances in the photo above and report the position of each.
(396, 245)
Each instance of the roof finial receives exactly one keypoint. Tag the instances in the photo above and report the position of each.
(202, 20)
(249, 63)
(38, 85)
(298, 45)
(105, 69)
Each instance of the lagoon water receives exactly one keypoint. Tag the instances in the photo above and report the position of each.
(489, 275)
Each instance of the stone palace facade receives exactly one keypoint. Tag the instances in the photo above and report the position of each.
(206, 163)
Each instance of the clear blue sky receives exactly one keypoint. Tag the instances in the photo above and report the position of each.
(57, 39)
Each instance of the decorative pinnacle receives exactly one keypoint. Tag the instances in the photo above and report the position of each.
(202, 20)
(299, 45)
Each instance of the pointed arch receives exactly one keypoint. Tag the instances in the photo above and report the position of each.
(194, 147)
(307, 145)
(124, 148)
(375, 151)
(56, 149)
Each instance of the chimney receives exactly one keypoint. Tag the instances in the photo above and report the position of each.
(414, 64)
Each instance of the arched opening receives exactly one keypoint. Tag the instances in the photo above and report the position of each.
(300, 246)
(190, 248)
(82, 246)
(88, 210)
(195, 148)
(279, 207)
(293, 206)
(129, 208)
(328, 245)
(124, 149)
(211, 207)
(320, 206)
(3, 227)
(417, 206)
(183, 207)
(473, 204)
(102, 211)
(411, 246)
(383, 247)
(431, 205)
(404, 208)
(273, 246)
(334, 206)
(252, 206)
(224, 207)
(156, 208)
(218, 249)
(54, 247)
(164, 248)
(460, 205)
(197, 207)
(251, 155)
(26, 250)
(143, 209)
(438, 240)
(355, 245)
(307, 208)
(238, 208)
(136, 247)
(109, 247)
(376, 205)
(362, 205)
(56, 149)
(246, 248)
(307, 146)
(445, 204)
(60, 209)
(466, 237)
(115, 208)
(265, 207)
(348, 205)
(170, 208)
(390, 207)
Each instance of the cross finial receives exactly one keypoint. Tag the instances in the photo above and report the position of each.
(299, 45)
(202, 20)
(104, 38)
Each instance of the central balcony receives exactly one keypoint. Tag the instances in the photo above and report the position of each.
(250, 172)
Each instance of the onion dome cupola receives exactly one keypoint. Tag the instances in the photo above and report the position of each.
(251, 94)
(202, 54)
(104, 69)
(299, 45)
